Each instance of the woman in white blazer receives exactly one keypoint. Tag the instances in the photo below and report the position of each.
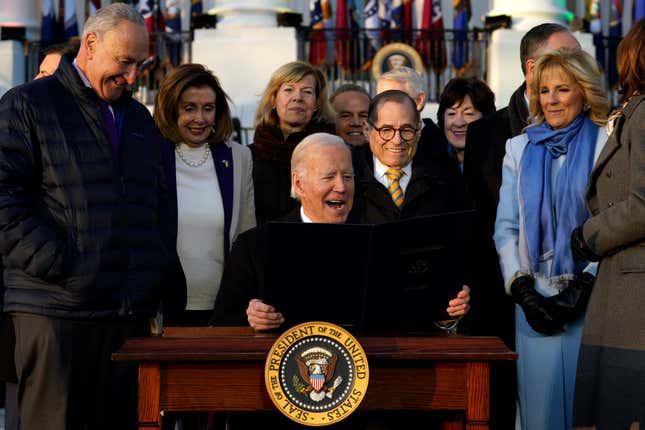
(210, 183)
(545, 174)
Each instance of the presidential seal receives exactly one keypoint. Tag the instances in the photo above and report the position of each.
(316, 373)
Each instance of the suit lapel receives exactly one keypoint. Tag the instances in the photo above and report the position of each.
(223, 160)
(610, 147)
(237, 183)
(417, 186)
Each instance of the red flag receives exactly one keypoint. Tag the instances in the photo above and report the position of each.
(346, 35)
(408, 23)
(342, 34)
(431, 43)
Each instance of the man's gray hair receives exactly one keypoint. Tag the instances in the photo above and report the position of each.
(303, 149)
(407, 76)
(108, 18)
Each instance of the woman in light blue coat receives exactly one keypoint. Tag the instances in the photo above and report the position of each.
(545, 174)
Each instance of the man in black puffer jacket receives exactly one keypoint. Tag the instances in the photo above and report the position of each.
(82, 210)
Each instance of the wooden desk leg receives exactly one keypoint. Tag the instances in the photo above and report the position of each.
(453, 422)
(149, 395)
(477, 387)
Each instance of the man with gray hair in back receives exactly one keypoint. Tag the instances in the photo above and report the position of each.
(82, 204)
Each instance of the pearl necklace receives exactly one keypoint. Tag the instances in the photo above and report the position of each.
(190, 163)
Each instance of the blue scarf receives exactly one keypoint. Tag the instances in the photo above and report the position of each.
(548, 222)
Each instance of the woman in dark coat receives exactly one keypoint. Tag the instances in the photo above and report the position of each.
(609, 390)
(293, 106)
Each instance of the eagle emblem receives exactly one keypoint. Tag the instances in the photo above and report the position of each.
(317, 365)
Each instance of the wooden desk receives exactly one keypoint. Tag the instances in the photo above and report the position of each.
(222, 369)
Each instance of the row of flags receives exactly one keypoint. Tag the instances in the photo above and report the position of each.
(386, 21)
(163, 22)
(61, 23)
(612, 17)
(335, 38)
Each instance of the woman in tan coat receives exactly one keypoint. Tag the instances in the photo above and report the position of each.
(610, 384)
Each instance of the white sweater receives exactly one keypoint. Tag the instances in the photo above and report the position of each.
(200, 230)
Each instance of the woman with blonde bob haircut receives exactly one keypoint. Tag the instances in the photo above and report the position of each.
(210, 182)
(584, 70)
(293, 106)
(542, 200)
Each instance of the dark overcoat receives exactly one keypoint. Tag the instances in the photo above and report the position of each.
(611, 369)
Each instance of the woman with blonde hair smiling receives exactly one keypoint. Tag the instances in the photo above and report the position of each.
(545, 174)
(293, 106)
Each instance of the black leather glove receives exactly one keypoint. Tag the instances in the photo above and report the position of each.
(572, 302)
(579, 248)
(536, 309)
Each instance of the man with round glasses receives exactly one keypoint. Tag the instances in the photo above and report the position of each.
(391, 182)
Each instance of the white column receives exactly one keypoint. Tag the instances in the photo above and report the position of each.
(527, 14)
(504, 72)
(25, 13)
(12, 66)
(247, 13)
(244, 49)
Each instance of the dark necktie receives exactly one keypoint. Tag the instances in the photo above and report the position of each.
(110, 126)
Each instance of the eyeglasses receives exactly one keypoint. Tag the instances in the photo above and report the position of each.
(387, 133)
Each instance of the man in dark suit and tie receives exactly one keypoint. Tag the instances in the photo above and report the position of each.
(393, 130)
